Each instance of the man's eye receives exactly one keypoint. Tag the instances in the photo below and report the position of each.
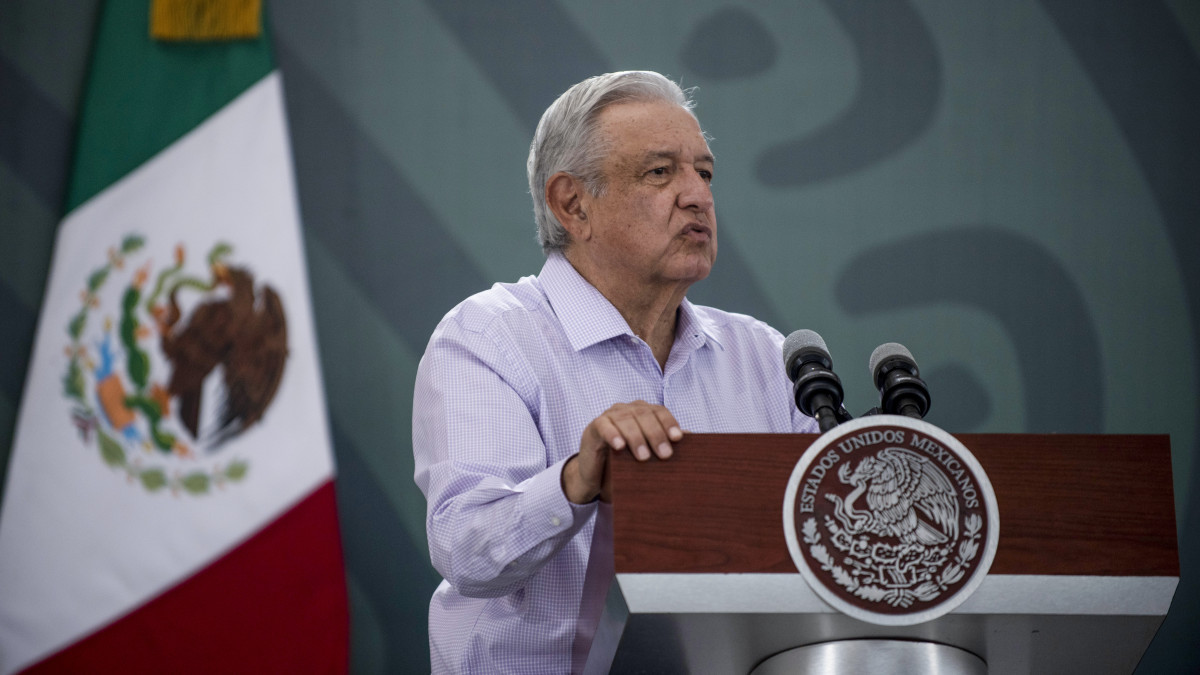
(660, 171)
(706, 175)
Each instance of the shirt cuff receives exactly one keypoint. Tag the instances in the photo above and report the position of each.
(548, 503)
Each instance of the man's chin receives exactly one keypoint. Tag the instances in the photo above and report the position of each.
(695, 271)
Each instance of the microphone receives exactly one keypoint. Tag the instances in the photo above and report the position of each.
(901, 389)
(818, 390)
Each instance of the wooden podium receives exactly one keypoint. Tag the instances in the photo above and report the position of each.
(1084, 574)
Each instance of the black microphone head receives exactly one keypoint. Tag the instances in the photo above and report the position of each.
(887, 352)
(804, 346)
(901, 390)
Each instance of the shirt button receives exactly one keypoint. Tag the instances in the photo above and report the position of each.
(554, 521)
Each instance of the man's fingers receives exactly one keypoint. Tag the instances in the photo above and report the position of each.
(647, 430)
(609, 432)
(631, 431)
(668, 422)
(651, 425)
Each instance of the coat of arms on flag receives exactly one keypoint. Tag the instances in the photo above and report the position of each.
(166, 365)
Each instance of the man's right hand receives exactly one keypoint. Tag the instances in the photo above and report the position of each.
(647, 430)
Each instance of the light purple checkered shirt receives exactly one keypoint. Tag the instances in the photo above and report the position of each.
(508, 382)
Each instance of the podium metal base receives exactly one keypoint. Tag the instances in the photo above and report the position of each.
(873, 656)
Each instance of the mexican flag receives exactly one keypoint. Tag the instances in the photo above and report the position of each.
(169, 504)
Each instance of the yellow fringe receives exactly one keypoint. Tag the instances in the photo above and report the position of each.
(205, 20)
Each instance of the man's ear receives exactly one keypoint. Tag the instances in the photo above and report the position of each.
(565, 195)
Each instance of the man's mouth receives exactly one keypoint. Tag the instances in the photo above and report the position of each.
(697, 232)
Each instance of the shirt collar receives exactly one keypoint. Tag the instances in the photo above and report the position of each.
(586, 315)
(589, 318)
(694, 326)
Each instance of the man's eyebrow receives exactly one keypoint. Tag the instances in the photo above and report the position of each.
(652, 155)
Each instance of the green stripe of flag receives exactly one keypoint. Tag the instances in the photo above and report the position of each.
(142, 95)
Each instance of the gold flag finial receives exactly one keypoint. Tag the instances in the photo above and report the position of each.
(205, 20)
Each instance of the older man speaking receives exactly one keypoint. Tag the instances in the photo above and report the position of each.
(526, 389)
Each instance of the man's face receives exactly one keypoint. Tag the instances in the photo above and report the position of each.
(656, 223)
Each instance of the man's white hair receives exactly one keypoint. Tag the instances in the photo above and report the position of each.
(567, 138)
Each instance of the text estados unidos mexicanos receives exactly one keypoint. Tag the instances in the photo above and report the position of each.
(833, 455)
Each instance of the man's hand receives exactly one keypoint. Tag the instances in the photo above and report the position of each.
(646, 429)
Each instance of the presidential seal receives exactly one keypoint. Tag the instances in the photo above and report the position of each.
(891, 520)
(166, 365)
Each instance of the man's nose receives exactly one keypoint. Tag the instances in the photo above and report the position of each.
(696, 192)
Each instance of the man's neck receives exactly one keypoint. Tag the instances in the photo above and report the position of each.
(654, 322)
(651, 312)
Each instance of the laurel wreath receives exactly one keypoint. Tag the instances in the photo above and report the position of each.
(929, 590)
(153, 478)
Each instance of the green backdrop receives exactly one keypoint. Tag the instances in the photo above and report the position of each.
(1009, 189)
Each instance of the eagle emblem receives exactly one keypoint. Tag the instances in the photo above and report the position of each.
(891, 520)
(244, 334)
(907, 497)
(165, 367)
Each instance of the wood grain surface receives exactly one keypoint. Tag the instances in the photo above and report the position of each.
(1069, 504)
